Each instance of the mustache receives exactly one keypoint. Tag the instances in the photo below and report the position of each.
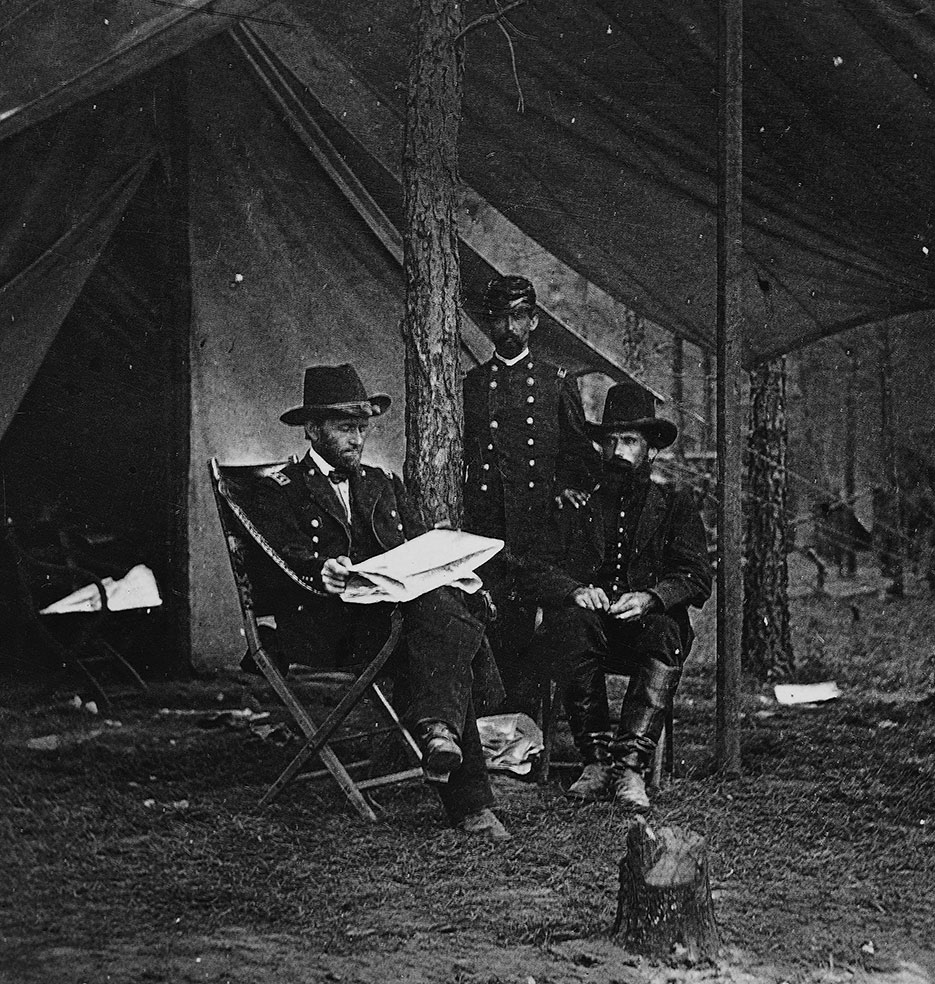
(620, 465)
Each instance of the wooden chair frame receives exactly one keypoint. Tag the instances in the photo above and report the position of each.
(318, 738)
(88, 647)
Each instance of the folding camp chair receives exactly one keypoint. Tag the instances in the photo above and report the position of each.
(245, 556)
(86, 649)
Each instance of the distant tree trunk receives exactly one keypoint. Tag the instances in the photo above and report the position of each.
(432, 327)
(678, 396)
(849, 560)
(767, 642)
(708, 373)
(887, 514)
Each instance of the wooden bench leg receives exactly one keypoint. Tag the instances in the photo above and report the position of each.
(548, 723)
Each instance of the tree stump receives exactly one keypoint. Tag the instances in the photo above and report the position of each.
(664, 907)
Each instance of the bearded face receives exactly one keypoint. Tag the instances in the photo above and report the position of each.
(339, 440)
(624, 451)
(510, 332)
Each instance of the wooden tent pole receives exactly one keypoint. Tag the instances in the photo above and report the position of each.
(729, 382)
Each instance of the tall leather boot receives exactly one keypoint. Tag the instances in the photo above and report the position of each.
(594, 783)
(585, 698)
(642, 718)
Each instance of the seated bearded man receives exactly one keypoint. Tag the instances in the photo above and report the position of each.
(621, 573)
(328, 511)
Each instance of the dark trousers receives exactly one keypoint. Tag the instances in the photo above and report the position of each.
(433, 665)
(578, 646)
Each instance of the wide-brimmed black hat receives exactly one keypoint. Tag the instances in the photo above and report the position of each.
(508, 293)
(629, 406)
(335, 391)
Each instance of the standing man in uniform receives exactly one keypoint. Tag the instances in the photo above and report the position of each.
(525, 445)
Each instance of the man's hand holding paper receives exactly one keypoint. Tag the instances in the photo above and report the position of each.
(433, 560)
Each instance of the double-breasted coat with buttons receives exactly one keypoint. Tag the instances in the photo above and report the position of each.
(668, 556)
(524, 439)
(296, 516)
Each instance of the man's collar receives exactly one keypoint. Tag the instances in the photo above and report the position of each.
(325, 467)
(512, 362)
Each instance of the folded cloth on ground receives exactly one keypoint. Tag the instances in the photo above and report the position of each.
(136, 589)
(510, 742)
(436, 559)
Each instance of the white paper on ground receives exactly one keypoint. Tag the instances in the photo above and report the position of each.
(433, 560)
(136, 589)
(806, 693)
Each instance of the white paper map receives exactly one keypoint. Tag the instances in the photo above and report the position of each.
(433, 560)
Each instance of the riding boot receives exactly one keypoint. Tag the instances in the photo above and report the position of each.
(585, 697)
(642, 717)
(594, 783)
(584, 694)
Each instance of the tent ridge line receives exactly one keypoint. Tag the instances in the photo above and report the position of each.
(470, 198)
(324, 152)
(23, 115)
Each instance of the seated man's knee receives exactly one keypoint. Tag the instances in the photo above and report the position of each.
(444, 604)
(664, 640)
(571, 621)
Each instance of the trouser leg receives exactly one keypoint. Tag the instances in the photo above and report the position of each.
(468, 788)
(441, 639)
(572, 644)
(655, 650)
(511, 635)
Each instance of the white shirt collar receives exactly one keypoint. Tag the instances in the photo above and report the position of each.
(512, 362)
(325, 467)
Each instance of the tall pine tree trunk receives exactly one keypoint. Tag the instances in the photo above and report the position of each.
(432, 328)
(767, 643)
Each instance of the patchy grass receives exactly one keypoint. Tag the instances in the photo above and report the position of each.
(150, 830)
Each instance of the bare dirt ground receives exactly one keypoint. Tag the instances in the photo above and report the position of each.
(133, 851)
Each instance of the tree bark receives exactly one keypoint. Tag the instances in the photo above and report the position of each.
(432, 325)
(664, 907)
(849, 561)
(887, 512)
(767, 640)
(678, 396)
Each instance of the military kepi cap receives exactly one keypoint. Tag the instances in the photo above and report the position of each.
(506, 294)
(629, 406)
(335, 391)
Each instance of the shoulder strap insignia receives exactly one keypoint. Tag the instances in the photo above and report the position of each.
(279, 478)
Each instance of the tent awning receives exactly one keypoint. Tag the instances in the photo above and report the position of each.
(610, 164)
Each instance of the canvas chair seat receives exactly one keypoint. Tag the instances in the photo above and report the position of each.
(249, 564)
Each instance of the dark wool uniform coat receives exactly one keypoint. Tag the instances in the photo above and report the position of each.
(668, 556)
(524, 439)
(298, 519)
